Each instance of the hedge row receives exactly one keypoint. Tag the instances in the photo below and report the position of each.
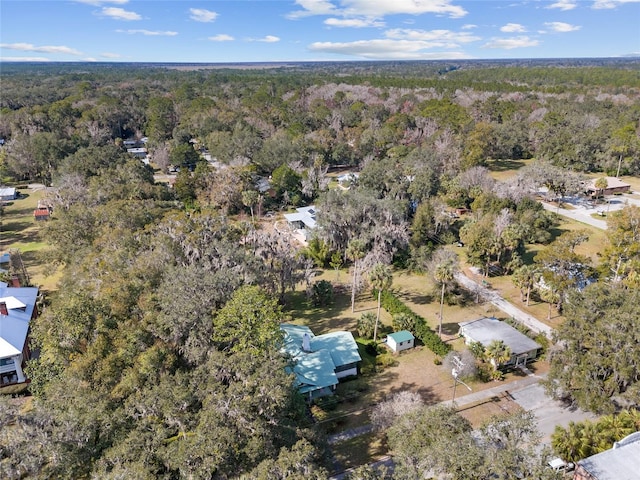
(394, 305)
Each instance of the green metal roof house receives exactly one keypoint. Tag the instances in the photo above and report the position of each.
(402, 340)
(320, 361)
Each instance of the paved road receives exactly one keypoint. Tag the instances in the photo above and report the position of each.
(580, 215)
(507, 307)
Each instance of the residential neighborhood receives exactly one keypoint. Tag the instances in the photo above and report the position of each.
(384, 271)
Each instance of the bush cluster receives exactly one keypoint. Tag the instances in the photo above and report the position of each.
(429, 338)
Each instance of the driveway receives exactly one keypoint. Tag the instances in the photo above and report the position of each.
(548, 412)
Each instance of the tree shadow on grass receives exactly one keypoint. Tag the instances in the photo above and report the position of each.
(22, 236)
(416, 298)
(450, 329)
(425, 392)
(505, 165)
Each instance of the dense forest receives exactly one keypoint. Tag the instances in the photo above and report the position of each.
(159, 353)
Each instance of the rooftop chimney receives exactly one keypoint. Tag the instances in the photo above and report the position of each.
(3, 309)
(306, 343)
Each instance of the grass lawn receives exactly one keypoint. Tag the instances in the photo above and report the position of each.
(361, 450)
(20, 231)
(504, 169)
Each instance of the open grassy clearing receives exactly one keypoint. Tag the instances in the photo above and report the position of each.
(505, 169)
(20, 231)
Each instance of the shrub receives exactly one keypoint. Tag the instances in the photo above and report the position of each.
(385, 360)
(477, 349)
(321, 293)
(365, 325)
(318, 413)
(395, 306)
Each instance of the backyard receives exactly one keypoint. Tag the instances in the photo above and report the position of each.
(19, 230)
(417, 370)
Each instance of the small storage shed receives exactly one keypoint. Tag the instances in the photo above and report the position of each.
(41, 214)
(402, 340)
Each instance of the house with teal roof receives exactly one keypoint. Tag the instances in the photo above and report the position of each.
(319, 362)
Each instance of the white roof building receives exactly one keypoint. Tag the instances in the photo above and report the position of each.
(17, 309)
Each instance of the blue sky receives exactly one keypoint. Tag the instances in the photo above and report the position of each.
(315, 30)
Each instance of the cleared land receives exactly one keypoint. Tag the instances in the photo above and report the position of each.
(19, 230)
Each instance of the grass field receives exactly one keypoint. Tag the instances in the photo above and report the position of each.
(20, 231)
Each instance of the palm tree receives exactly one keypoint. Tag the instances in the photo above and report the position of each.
(380, 278)
(444, 265)
(525, 277)
(249, 199)
(601, 184)
(355, 251)
(498, 353)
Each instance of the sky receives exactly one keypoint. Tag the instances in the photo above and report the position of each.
(223, 31)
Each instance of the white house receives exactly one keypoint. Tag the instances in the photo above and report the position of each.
(8, 193)
(17, 309)
(302, 222)
(489, 329)
(399, 341)
(320, 361)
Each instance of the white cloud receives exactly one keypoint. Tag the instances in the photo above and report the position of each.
(98, 3)
(269, 39)
(313, 7)
(222, 37)
(24, 59)
(381, 49)
(377, 8)
(89, 59)
(562, 27)
(513, 28)
(202, 15)
(469, 26)
(564, 5)
(605, 4)
(110, 55)
(353, 22)
(150, 33)
(28, 47)
(119, 14)
(511, 43)
(441, 37)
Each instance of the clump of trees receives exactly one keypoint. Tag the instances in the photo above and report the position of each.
(594, 363)
(584, 439)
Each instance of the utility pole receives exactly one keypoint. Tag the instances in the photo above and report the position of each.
(455, 372)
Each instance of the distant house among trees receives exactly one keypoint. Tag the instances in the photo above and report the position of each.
(399, 341)
(489, 329)
(320, 361)
(613, 186)
(302, 222)
(17, 309)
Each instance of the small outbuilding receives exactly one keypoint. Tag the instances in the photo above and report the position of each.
(8, 193)
(399, 341)
(489, 329)
(41, 214)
